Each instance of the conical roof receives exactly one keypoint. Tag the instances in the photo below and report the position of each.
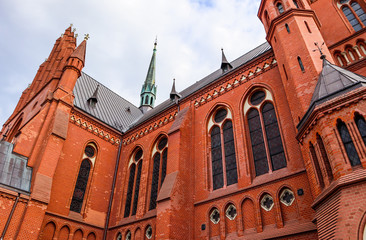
(225, 65)
(80, 51)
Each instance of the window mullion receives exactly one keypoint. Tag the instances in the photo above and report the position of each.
(223, 155)
(265, 140)
(160, 168)
(356, 16)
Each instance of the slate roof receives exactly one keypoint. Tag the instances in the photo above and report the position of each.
(333, 81)
(111, 108)
(256, 52)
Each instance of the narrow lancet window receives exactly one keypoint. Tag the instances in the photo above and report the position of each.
(348, 144)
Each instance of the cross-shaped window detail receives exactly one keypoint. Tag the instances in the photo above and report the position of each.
(215, 216)
(267, 202)
(231, 212)
(149, 232)
(287, 197)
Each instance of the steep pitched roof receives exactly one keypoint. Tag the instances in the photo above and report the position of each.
(256, 52)
(333, 81)
(111, 108)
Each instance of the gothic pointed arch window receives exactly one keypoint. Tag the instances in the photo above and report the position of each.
(361, 126)
(83, 179)
(348, 143)
(223, 156)
(318, 172)
(354, 13)
(160, 158)
(265, 137)
(279, 7)
(15, 130)
(133, 188)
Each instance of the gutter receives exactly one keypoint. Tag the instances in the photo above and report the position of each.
(112, 193)
(10, 217)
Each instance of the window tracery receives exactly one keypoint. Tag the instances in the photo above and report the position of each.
(223, 155)
(160, 157)
(133, 187)
(267, 149)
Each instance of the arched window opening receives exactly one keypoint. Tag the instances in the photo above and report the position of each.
(267, 147)
(133, 187)
(280, 8)
(80, 186)
(128, 235)
(223, 156)
(266, 17)
(350, 53)
(151, 100)
(119, 236)
(287, 28)
(15, 131)
(359, 12)
(316, 165)
(348, 143)
(361, 45)
(325, 158)
(361, 126)
(300, 64)
(160, 158)
(296, 4)
(149, 232)
(352, 10)
(146, 100)
(307, 27)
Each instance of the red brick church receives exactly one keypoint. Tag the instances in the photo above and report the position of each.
(271, 145)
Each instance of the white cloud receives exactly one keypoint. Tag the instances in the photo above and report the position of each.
(190, 35)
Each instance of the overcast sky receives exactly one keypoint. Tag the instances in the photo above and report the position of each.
(190, 35)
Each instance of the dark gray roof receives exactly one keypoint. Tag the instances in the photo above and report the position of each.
(111, 108)
(256, 52)
(333, 81)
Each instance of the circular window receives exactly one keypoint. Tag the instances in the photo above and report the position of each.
(149, 232)
(231, 212)
(215, 216)
(267, 202)
(220, 115)
(162, 143)
(89, 151)
(138, 155)
(257, 97)
(287, 197)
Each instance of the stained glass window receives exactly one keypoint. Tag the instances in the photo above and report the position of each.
(216, 156)
(348, 144)
(137, 188)
(80, 187)
(230, 157)
(361, 125)
(129, 190)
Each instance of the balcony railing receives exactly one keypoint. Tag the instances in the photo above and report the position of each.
(14, 171)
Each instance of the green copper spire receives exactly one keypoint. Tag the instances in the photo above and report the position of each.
(148, 91)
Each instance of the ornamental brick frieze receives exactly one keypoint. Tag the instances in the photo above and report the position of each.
(150, 127)
(96, 129)
(232, 82)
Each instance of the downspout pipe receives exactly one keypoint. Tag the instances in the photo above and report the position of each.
(10, 217)
(112, 192)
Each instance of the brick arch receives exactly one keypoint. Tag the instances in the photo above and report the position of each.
(267, 217)
(362, 226)
(91, 236)
(216, 106)
(78, 234)
(64, 232)
(249, 214)
(351, 52)
(145, 229)
(339, 58)
(15, 128)
(137, 234)
(214, 229)
(362, 50)
(48, 231)
(231, 226)
(287, 212)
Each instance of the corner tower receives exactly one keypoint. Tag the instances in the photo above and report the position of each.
(292, 28)
(148, 91)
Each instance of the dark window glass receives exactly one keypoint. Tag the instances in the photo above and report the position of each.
(348, 144)
(163, 166)
(230, 158)
(273, 137)
(162, 143)
(323, 152)
(307, 26)
(316, 165)
(343, 1)
(300, 64)
(80, 187)
(257, 97)
(361, 125)
(137, 188)
(146, 100)
(138, 155)
(296, 4)
(351, 18)
(258, 147)
(216, 155)
(129, 190)
(220, 115)
(89, 151)
(280, 8)
(155, 181)
(359, 12)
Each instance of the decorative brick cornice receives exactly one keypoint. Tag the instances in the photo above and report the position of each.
(150, 126)
(229, 83)
(93, 127)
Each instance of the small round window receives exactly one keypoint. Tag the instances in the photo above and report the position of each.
(257, 97)
(162, 143)
(89, 151)
(220, 115)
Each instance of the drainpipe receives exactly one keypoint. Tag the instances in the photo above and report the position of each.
(10, 217)
(112, 192)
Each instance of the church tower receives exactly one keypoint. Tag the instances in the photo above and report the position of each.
(292, 29)
(148, 91)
